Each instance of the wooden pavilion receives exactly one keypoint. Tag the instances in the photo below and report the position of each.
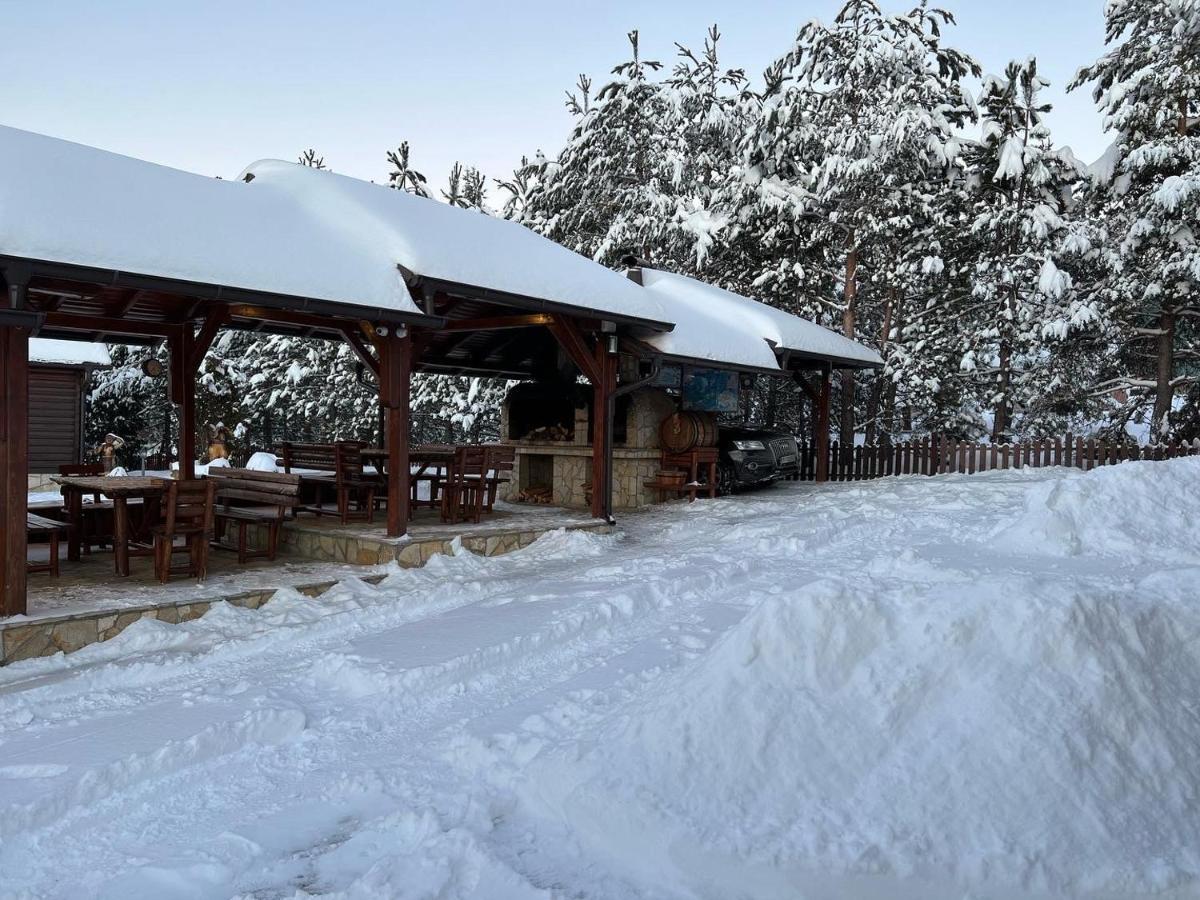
(99, 247)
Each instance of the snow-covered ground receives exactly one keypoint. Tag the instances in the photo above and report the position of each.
(981, 686)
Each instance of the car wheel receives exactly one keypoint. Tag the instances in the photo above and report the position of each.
(725, 480)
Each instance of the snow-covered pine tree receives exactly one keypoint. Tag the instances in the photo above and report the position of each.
(1148, 86)
(466, 188)
(474, 190)
(309, 158)
(402, 175)
(603, 197)
(453, 194)
(519, 186)
(1022, 296)
(641, 168)
(858, 129)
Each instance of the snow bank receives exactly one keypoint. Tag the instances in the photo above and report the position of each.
(1027, 746)
(1125, 510)
(263, 462)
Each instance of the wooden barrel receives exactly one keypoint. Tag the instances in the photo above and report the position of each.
(683, 431)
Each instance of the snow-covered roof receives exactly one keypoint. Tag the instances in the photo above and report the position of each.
(439, 241)
(67, 203)
(719, 325)
(68, 353)
(292, 230)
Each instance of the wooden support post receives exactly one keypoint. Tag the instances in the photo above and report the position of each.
(395, 376)
(821, 426)
(14, 446)
(181, 346)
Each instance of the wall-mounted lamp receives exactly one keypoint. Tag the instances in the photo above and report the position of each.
(613, 345)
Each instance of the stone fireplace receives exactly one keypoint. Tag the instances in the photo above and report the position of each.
(550, 426)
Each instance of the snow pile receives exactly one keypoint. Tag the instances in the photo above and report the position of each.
(948, 740)
(263, 462)
(1125, 510)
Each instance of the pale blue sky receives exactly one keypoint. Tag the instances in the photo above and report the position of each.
(212, 86)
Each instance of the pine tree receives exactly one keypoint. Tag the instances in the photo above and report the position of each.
(309, 158)
(855, 141)
(474, 190)
(1148, 87)
(1022, 295)
(403, 176)
(603, 195)
(520, 186)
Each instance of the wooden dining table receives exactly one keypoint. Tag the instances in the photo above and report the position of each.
(421, 460)
(119, 489)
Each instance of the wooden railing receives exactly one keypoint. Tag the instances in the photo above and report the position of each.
(942, 455)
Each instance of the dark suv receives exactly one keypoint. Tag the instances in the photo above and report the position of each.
(752, 456)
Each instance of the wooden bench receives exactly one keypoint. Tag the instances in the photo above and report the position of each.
(36, 525)
(264, 499)
(690, 461)
(340, 468)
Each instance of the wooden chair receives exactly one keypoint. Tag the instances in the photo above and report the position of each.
(36, 525)
(501, 458)
(188, 514)
(464, 487)
(353, 484)
(314, 485)
(95, 518)
(247, 497)
(432, 474)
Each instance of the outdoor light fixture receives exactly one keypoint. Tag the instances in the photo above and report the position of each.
(612, 345)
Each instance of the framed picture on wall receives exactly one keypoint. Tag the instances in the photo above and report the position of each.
(710, 390)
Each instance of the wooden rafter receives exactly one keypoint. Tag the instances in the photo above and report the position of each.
(360, 349)
(806, 386)
(208, 333)
(106, 325)
(567, 333)
(304, 320)
(497, 323)
(121, 306)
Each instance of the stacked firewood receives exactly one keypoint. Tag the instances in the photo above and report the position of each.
(550, 433)
(536, 495)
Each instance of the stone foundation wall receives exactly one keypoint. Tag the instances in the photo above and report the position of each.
(573, 469)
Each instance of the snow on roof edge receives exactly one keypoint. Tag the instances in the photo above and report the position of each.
(68, 353)
(776, 328)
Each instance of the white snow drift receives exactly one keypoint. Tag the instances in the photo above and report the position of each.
(969, 686)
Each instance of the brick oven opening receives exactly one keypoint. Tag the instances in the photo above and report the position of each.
(542, 411)
(537, 478)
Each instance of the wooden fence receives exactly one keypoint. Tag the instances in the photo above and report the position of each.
(942, 455)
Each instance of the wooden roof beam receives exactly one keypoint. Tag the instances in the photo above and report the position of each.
(106, 325)
(572, 340)
(498, 323)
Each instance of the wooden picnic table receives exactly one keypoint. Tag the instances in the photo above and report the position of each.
(119, 489)
(423, 456)
(421, 459)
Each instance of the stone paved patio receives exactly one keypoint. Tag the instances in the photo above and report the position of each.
(89, 603)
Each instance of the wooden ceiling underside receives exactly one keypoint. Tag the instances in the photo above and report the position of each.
(77, 310)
